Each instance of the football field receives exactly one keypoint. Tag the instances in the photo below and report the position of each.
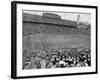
(47, 41)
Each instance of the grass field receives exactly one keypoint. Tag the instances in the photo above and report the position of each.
(43, 41)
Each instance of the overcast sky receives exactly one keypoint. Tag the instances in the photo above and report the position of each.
(84, 17)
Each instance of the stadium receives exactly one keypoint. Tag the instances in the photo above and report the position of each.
(52, 42)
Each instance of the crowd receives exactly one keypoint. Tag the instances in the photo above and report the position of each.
(57, 58)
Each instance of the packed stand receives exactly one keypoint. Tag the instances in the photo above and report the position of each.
(56, 58)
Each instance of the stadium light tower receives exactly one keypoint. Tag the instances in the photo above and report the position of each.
(78, 20)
